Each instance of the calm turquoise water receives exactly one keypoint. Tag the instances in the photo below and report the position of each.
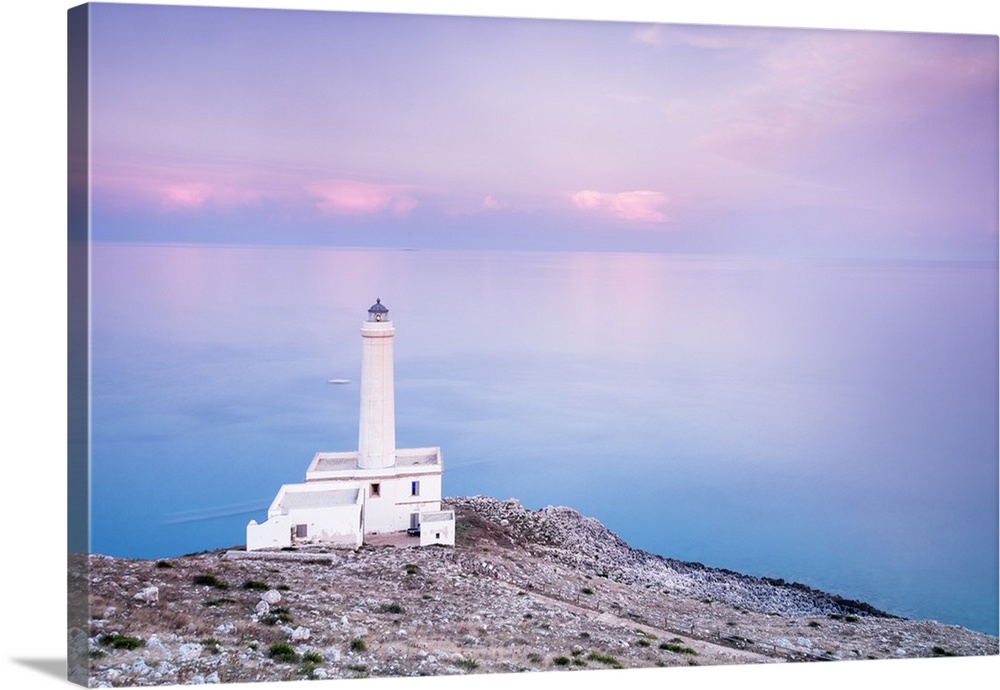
(833, 423)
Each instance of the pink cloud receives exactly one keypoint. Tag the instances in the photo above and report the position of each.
(639, 205)
(353, 198)
(490, 203)
(172, 189)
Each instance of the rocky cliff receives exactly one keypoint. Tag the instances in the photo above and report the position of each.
(521, 590)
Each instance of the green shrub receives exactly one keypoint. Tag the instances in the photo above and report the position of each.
(123, 642)
(283, 652)
(412, 568)
(535, 658)
(217, 602)
(604, 659)
(941, 651)
(312, 657)
(358, 645)
(163, 565)
(587, 590)
(467, 664)
(561, 661)
(212, 644)
(210, 581)
(278, 614)
(643, 643)
(674, 647)
(393, 608)
(255, 584)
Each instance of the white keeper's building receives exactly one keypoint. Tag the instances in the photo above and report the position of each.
(377, 489)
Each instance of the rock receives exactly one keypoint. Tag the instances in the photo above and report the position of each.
(300, 634)
(190, 651)
(156, 651)
(213, 677)
(262, 608)
(150, 595)
(271, 596)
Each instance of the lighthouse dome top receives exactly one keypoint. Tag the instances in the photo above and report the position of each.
(378, 311)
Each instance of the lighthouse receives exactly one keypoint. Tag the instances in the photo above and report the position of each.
(350, 497)
(377, 425)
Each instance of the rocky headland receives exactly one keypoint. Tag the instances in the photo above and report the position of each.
(521, 590)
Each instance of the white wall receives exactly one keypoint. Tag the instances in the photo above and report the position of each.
(391, 510)
(438, 532)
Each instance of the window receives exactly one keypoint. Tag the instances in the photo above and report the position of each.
(301, 531)
(375, 490)
(414, 488)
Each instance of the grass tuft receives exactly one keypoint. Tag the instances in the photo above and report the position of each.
(283, 652)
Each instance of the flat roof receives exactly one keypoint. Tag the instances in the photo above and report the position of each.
(440, 516)
(318, 498)
(405, 457)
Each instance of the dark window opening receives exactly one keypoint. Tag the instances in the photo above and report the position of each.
(376, 490)
(301, 531)
(414, 488)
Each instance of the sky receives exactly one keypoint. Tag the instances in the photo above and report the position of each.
(342, 128)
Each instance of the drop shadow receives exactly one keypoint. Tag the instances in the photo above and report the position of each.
(50, 667)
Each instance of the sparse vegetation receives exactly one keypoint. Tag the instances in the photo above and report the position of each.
(535, 658)
(587, 590)
(676, 648)
(643, 642)
(277, 614)
(467, 664)
(358, 645)
(209, 580)
(312, 657)
(393, 608)
(561, 661)
(255, 584)
(604, 659)
(164, 565)
(123, 642)
(283, 652)
(217, 602)
(412, 568)
(212, 645)
(941, 651)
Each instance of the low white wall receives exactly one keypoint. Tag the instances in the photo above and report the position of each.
(275, 532)
(438, 532)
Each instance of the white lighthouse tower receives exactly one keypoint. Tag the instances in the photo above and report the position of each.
(377, 427)
(351, 496)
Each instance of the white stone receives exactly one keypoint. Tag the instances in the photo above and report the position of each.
(262, 608)
(271, 596)
(300, 634)
(150, 595)
(190, 651)
(155, 650)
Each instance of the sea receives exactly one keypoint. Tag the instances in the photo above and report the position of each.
(829, 422)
